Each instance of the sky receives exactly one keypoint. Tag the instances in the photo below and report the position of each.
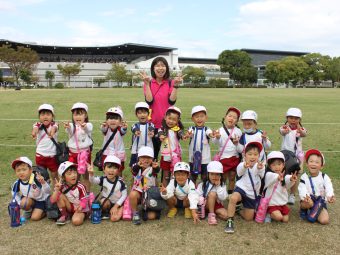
(197, 28)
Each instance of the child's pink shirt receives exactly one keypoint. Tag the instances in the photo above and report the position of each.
(160, 103)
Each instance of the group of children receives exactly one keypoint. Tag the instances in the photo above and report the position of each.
(241, 162)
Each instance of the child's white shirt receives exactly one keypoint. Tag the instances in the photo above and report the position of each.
(116, 146)
(322, 186)
(198, 132)
(83, 136)
(143, 127)
(188, 189)
(254, 137)
(221, 191)
(293, 140)
(119, 194)
(280, 196)
(244, 182)
(174, 144)
(45, 146)
(230, 150)
(38, 191)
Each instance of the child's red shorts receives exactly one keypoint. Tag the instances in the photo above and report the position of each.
(46, 162)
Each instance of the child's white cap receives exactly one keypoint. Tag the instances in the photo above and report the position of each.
(80, 106)
(215, 167)
(46, 107)
(182, 166)
(315, 152)
(174, 108)
(64, 166)
(116, 110)
(249, 115)
(142, 105)
(294, 112)
(22, 160)
(112, 159)
(145, 151)
(276, 155)
(198, 108)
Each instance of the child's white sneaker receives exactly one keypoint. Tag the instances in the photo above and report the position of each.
(291, 199)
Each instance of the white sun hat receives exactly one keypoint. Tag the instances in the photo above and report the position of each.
(80, 106)
(46, 107)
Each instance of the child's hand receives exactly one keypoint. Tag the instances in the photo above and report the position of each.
(260, 164)
(235, 139)
(195, 216)
(40, 178)
(217, 182)
(212, 135)
(162, 137)
(246, 164)
(66, 125)
(53, 131)
(264, 135)
(155, 164)
(114, 210)
(104, 125)
(137, 133)
(217, 134)
(124, 124)
(331, 199)
(285, 129)
(280, 177)
(307, 199)
(34, 134)
(179, 78)
(294, 177)
(162, 189)
(57, 185)
(83, 125)
(90, 169)
(145, 77)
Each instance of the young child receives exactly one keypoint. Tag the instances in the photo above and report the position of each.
(214, 192)
(70, 195)
(227, 138)
(42, 132)
(80, 140)
(115, 128)
(113, 189)
(145, 175)
(276, 185)
(292, 133)
(199, 148)
(252, 134)
(181, 193)
(247, 187)
(142, 131)
(170, 134)
(33, 188)
(315, 186)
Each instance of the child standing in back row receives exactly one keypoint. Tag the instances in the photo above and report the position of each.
(292, 133)
(43, 132)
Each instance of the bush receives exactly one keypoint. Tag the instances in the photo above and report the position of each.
(218, 83)
(59, 85)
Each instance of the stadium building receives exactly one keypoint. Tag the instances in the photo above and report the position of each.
(96, 61)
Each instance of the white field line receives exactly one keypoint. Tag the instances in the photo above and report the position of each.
(189, 122)
(128, 148)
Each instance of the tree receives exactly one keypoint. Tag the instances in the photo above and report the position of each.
(1, 76)
(99, 81)
(68, 71)
(333, 70)
(317, 65)
(118, 73)
(19, 59)
(238, 64)
(49, 75)
(26, 76)
(273, 72)
(194, 75)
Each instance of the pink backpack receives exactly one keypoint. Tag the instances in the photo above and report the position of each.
(263, 206)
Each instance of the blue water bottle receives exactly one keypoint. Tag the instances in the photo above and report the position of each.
(96, 213)
(14, 213)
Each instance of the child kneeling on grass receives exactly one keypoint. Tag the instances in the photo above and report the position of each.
(214, 192)
(315, 189)
(145, 175)
(33, 188)
(248, 186)
(70, 195)
(181, 193)
(113, 189)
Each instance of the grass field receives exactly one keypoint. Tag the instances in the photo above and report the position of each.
(320, 107)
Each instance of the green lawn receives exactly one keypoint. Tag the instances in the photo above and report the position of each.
(320, 107)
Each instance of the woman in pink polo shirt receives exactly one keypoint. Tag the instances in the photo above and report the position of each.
(160, 93)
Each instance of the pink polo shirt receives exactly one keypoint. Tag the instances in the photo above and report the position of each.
(159, 105)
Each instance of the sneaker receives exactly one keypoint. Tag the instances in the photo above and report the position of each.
(62, 220)
(136, 219)
(187, 213)
(172, 212)
(229, 228)
(268, 219)
(291, 199)
(303, 214)
(27, 214)
(105, 216)
(212, 219)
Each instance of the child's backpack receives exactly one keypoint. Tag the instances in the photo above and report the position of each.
(153, 200)
(52, 210)
(43, 172)
(291, 162)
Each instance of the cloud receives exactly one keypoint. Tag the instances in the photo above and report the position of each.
(161, 11)
(10, 5)
(120, 13)
(289, 25)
